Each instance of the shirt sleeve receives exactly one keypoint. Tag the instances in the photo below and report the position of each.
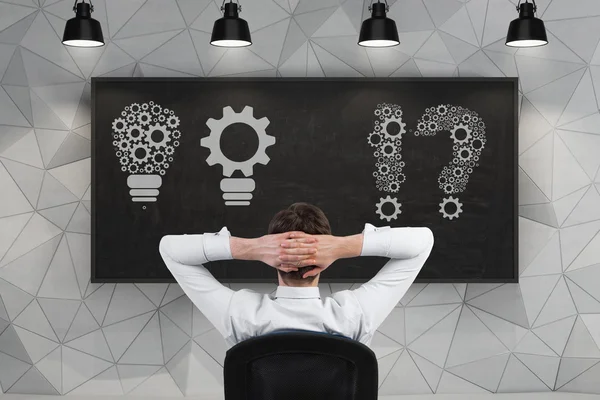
(184, 256)
(408, 249)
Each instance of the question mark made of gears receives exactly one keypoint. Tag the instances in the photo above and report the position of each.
(467, 131)
(386, 139)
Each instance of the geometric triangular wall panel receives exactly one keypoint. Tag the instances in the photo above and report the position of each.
(67, 333)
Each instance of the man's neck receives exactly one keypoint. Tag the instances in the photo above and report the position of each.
(299, 284)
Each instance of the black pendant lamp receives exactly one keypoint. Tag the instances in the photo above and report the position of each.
(379, 30)
(231, 30)
(83, 30)
(527, 30)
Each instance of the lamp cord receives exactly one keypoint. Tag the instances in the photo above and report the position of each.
(527, 1)
(387, 6)
(231, 1)
(83, 1)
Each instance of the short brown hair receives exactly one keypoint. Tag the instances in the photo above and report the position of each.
(300, 217)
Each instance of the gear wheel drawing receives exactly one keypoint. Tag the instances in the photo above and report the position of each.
(173, 121)
(388, 146)
(123, 145)
(371, 141)
(144, 118)
(447, 201)
(465, 153)
(119, 125)
(388, 121)
(135, 133)
(394, 202)
(217, 126)
(456, 129)
(133, 168)
(136, 156)
(135, 108)
(157, 144)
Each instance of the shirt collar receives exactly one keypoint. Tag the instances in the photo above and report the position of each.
(290, 292)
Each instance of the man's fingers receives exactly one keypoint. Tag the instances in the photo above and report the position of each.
(287, 258)
(292, 244)
(300, 250)
(312, 272)
(295, 234)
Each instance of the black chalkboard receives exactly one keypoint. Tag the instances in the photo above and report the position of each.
(402, 152)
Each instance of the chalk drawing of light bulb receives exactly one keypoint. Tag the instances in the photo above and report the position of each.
(386, 140)
(144, 138)
(467, 131)
(237, 191)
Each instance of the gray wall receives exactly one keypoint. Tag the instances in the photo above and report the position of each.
(61, 334)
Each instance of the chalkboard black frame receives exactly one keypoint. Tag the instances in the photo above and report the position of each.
(513, 81)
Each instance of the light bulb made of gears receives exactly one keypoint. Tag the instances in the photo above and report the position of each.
(145, 137)
(237, 191)
(467, 131)
(386, 141)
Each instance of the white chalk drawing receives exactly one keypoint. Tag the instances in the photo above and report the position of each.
(394, 202)
(386, 140)
(467, 131)
(144, 138)
(237, 191)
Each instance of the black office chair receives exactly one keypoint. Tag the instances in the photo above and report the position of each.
(300, 365)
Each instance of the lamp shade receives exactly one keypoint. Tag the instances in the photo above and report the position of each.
(527, 30)
(83, 30)
(230, 30)
(379, 30)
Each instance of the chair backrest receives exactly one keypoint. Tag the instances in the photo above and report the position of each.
(300, 365)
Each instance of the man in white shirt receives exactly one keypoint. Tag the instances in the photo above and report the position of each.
(300, 246)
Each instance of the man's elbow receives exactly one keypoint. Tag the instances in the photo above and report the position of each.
(425, 240)
(164, 247)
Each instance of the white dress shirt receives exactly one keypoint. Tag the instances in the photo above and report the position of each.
(240, 315)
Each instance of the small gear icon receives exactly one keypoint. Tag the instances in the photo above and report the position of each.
(449, 188)
(156, 109)
(387, 111)
(133, 168)
(401, 178)
(394, 202)
(159, 157)
(144, 118)
(173, 121)
(465, 153)
(393, 187)
(388, 149)
(161, 118)
(384, 169)
(149, 169)
(135, 133)
(461, 129)
(398, 112)
(390, 120)
(217, 126)
(457, 204)
(157, 136)
(169, 150)
(374, 139)
(176, 134)
(131, 118)
(124, 160)
(140, 153)
(442, 109)
(135, 108)
(123, 145)
(119, 125)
